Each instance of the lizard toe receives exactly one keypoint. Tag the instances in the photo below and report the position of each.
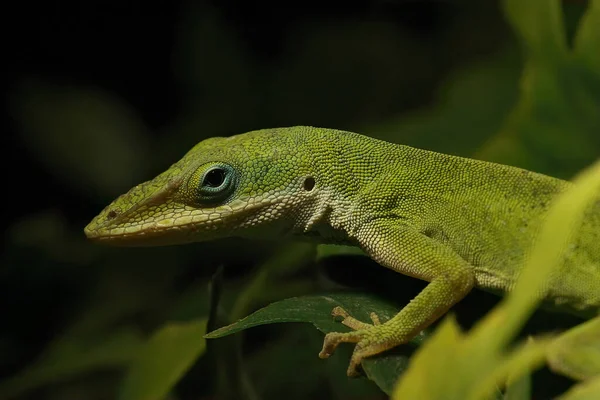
(352, 322)
(371, 345)
(333, 339)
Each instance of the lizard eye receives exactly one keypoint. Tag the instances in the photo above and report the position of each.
(214, 178)
(215, 184)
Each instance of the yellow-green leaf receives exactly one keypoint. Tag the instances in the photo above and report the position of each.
(163, 360)
(588, 37)
(588, 390)
(436, 358)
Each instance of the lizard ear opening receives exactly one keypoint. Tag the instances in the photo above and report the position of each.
(309, 183)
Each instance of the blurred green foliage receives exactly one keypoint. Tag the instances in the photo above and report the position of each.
(513, 82)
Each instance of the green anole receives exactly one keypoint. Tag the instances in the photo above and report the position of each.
(454, 222)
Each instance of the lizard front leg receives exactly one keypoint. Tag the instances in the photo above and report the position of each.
(409, 252)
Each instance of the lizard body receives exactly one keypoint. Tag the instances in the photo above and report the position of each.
(455, 222)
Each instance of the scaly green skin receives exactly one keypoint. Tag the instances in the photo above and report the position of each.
(454, 222)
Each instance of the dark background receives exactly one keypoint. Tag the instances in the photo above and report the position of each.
(102, 95)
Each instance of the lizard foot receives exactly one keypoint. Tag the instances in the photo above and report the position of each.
(370, 339)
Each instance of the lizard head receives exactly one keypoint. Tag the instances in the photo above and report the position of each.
(222, 187)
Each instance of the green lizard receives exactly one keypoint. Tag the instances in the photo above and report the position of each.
(457, 223)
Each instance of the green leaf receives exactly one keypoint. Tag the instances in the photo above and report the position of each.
(576, 352)
(588, 37)
(518, 383)
(163, 360)
(539, 23)
(313, 309)
(383, 370)
(436, 359)
(519, 389)
(553, 128)
(588, 390)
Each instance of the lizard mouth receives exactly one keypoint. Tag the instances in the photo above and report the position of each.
(189, 225)
(151, 234)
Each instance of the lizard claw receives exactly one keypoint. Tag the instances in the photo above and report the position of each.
(339, 312)
(333, 339)
(364, 335)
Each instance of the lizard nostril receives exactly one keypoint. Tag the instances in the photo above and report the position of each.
(309, 183)
(112, 214)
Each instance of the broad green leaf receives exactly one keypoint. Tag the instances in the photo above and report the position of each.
(163, 360)
(313, 309)
(383, 369)
(70, 357)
